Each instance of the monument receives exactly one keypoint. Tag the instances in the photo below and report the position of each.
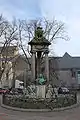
(39, 45)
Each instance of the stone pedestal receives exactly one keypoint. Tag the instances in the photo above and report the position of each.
(41, 90)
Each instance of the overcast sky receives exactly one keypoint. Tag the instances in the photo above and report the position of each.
(67, 11)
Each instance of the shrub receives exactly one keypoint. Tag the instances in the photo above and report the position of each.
(34, 103)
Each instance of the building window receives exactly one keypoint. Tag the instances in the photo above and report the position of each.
(73, 73)
(78, 72)
(78, 76)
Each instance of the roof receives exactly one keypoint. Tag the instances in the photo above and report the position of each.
(66, 62)
(8, 50)
(39, 41)
(11, 59)
(8, 47)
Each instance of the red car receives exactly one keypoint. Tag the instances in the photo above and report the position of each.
(3, 90)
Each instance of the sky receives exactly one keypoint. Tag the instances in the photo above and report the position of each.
(67, 11)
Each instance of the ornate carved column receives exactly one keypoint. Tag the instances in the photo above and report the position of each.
(33, 65)
(47, 65)
(38, 63)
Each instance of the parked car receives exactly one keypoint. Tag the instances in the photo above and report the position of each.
(63, 90)
(16, 91)
(19, 90)
(3, 91)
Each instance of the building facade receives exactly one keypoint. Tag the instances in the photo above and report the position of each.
(63, 71)
(68, 70)
(8, 56)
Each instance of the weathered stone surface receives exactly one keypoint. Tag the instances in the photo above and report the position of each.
(41, 89)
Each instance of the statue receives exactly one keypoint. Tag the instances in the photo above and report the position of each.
(41, 87)
(49, 92)
(38, 33)
(40, 80)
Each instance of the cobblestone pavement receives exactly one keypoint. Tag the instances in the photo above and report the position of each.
(71, 114)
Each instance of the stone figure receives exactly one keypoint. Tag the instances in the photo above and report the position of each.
(30, 91)
(38, 33)
(41, 80)
(55, 91)
(49, 93)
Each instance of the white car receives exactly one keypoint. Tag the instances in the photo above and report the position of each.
(63, 90)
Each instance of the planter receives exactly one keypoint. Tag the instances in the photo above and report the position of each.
(33, 103)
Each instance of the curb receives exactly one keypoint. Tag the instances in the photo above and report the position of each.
(39, 110)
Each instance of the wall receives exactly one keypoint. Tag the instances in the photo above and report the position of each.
(65, 78)
(7, 81)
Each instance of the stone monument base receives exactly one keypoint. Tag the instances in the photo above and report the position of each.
(41, 91)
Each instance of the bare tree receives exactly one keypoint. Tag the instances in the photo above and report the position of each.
(8, 37)
(20, 32)
(52, 30)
